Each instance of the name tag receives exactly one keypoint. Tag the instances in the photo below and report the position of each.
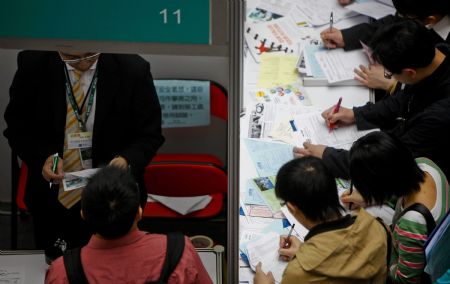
(79, 140)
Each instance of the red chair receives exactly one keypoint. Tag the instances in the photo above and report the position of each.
(22, 183)
(186, 175)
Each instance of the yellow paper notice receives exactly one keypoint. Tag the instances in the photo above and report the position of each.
(277, 69)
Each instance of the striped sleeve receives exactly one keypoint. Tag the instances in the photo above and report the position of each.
(408, 256)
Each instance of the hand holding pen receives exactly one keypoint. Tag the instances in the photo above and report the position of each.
(52, 171)
(289, 246)
(335, 110)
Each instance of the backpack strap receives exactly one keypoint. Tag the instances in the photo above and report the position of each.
(422, 209)
(175, 248)
(389, 240)
(74, 268)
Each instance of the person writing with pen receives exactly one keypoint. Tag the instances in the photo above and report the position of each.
(339, 248)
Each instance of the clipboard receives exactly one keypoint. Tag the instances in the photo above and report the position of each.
(212, 259)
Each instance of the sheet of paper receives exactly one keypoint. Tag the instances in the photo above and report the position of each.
(79, 179)
(265, 250)
(338, 65)
(386, 2)
(12, 274)
(316, 129)
(268, 157)
(263, 117)
(312, 65)
(292, 94)
(183, 205)
(279, 36)
(277, 69)
(371, 8)
(266, 185)
(317, 12)
(300, 230)
(276, 6)
(252, 195)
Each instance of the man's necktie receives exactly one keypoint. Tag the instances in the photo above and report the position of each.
(72, 160)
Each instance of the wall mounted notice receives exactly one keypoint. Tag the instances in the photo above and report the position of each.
(158, 21)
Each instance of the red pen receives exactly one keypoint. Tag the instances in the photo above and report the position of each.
(335, 110)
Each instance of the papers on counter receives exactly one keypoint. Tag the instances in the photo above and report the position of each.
(317, 12)
(371, 8)
(182, 205)
(277, 69)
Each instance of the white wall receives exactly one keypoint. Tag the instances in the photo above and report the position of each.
(163, 66)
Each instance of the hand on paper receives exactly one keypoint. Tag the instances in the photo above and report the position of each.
(343, 117)
(119, 162)
(355, 198)
(345, 2)
(315, 150)
(47, 170)
(332, 38)
(287, 252)
(373, 77)
(263, 278)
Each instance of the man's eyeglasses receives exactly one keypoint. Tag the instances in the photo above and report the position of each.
(408, 17)
(76, 59)
(388, 74)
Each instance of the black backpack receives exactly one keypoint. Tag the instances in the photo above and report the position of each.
(175, 248)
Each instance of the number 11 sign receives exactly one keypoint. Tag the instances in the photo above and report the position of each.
(158, 21)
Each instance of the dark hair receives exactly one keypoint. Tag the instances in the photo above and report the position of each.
(110, 202)
(403, 44)
(382, 167)
(307, 183)
(421, 9)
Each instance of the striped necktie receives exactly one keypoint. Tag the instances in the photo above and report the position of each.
(72, 161)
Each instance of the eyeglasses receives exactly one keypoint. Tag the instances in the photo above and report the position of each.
(408, 17)
(388, 74)
(77, 59)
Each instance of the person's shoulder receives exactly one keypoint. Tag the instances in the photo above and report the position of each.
(56, 273)
(35, 58)
(128, 61)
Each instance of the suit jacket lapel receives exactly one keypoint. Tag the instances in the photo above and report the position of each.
(107, 87)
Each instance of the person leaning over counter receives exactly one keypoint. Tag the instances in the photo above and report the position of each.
(418, 115)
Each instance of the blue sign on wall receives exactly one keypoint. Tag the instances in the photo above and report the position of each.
(158, 21)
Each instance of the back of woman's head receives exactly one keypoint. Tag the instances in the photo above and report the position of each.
(307, 184)
(382, 167)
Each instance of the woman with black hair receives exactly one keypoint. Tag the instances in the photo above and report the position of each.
(382, 168)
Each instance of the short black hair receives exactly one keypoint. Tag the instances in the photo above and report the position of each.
(403, 44)
(308, 184)
(110, 202)
(382, 167)
(421, 9)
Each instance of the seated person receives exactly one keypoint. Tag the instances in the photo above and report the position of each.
(119, 252)
(418, 115)
(381, 168)
(434, 14)
(338, 248)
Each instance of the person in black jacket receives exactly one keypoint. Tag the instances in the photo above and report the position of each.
(124, 122)
(434, 14)
(419, 115)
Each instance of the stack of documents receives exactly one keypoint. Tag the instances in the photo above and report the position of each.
(79, 179)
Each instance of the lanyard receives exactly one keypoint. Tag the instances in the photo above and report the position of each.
(90, 93)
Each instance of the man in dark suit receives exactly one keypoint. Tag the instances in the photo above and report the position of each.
(55, 95)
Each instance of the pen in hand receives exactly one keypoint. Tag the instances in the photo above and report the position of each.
(335, 110)
(54, 166)
(288, 243)
(331, 21)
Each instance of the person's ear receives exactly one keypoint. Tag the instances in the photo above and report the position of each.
(82, 215)
(430, 20)
(139, 214)
(410, 72)
(292, 208)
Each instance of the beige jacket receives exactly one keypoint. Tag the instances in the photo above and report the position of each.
(341, 252)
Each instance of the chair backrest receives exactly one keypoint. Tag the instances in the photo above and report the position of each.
(185, 178)
(21, 185)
